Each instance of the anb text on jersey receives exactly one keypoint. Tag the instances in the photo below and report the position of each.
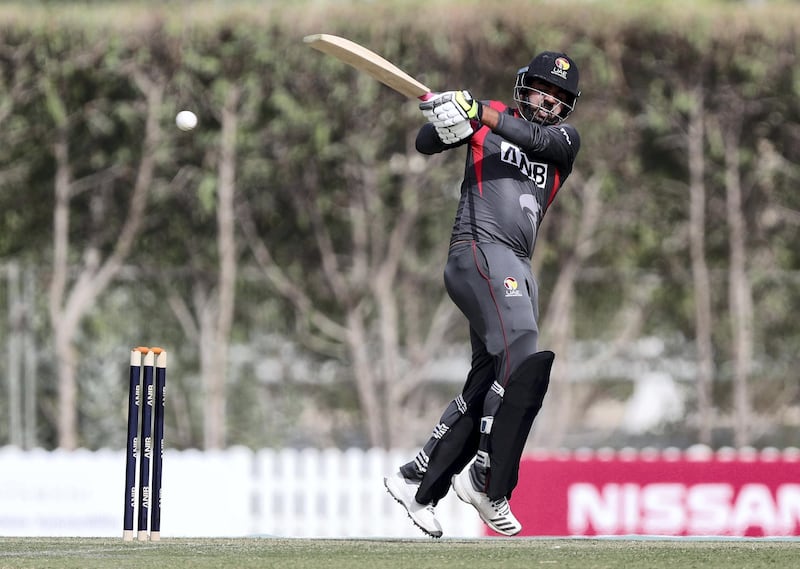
(536, 171)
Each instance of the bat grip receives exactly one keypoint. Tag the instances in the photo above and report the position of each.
(426, 96)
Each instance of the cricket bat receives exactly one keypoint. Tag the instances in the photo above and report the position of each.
(369, 62)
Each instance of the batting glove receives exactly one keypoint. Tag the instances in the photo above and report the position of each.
(455, 133)
(450, 108)
(469, 107)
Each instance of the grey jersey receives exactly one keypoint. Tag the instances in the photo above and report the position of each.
(512, 175)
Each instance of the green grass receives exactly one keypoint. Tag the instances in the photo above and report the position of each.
(512, 553)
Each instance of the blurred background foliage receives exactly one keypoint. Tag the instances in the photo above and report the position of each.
(288, 251)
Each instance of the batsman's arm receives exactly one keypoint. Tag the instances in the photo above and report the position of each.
(558, 144)
(489, 117)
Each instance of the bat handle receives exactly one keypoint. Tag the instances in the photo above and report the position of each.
(426, 96)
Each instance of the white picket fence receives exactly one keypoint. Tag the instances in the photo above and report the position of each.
(230, 493)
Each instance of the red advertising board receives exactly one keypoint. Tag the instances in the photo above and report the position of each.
(660, 493)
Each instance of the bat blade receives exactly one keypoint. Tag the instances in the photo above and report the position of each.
(369, 62)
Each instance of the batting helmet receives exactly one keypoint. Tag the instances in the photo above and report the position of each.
(556, 69)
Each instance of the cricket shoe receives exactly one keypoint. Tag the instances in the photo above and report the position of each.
(495, 513)
(405, 491)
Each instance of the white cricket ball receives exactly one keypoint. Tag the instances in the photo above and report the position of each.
(186, 120)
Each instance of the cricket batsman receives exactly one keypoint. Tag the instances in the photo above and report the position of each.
(517, 161)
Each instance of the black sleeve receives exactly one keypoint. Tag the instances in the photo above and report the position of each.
(558, 144)
(428, 142)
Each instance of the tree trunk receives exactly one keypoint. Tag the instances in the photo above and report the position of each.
(66, 420)
(14, 353)
(739, 294)
(363, 369)
(215, 374)
(700, 275)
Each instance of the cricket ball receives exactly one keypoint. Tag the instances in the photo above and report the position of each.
(186, 120)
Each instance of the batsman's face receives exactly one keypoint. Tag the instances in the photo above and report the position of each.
(547, 99)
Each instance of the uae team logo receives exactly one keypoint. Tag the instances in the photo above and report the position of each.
(561, 67)
(512, 287)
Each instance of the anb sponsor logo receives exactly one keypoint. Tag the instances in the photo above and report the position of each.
(536, 171)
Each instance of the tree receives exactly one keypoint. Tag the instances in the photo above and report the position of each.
(206, 310)
(364, 205)
(102, 254)
(676, 112)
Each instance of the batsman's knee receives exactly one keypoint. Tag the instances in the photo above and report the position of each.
(528, 383)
